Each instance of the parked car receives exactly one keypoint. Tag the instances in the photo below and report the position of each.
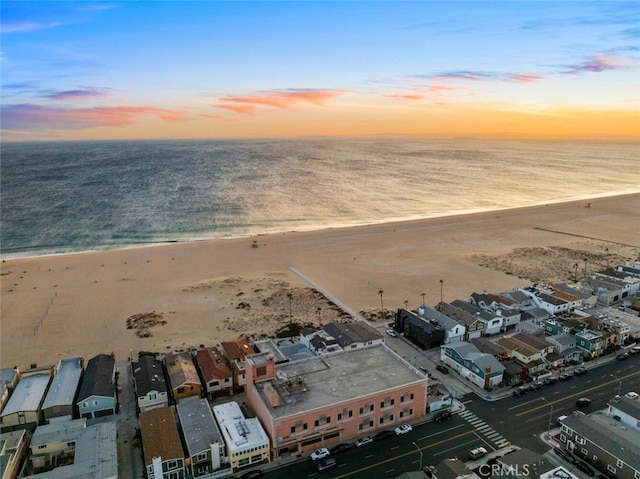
(442, 368)
(566, 455)
(584, 468)
(521, 391)
(442, 416)
(622, 356)
(252, 475)
(343, 446)
(514, 383)
(384, 434)
(320, 453)
(581, 370)
(535, 385)
(632, 395)
(559, 420)
(564, 377)
(363, 441)
(326, 464)
(392, 333)
(583, 402)
(550, 380)
(477, 452)
(425, 371)
(405, 428)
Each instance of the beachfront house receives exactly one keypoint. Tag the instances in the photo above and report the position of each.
(60, 402)
(8, 381)
(356, 334)
(474, 326)
(423, 333)
(500, 306)
(454, 331)
(246, 441)
(590, 342)
(481, 369)
(24, 408)
(215, 372)
(492, 323)
(97, 396)
(206, 451)
(183, 376)
(235, 353)
(161, 446)
(318, 341)
(149, 383)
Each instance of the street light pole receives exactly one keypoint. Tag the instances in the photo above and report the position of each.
(441, 284)
(619, 382)
(420, 451)
(381, 304)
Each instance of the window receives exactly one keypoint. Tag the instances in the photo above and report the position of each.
(328, 420)
(293, 429)
(201, 457)
(594, 458)
(563, 438)
(214, 384)
(619, 463)
(339, 416)
(95, 403)
(611, 469)
(172, 464)
(584, 451)
(636, 475)
(580, 440)
(316, 423)
(180, 390)
(261, 371)
(42, 446)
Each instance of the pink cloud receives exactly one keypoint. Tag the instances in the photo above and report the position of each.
(601, 63)
(32, 116)
(75, 94)
(279, 100)
(433, 91)
(525, 78)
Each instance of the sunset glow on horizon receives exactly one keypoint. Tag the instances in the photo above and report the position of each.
(94, 70)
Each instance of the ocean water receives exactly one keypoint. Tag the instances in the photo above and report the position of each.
(60, 197)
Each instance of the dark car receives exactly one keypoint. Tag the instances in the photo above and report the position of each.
(343, 446)
(622, 356)
(566, 455)
(564, 377)
(582, 402)
(584, 468)
(550, 380)
(441, 416)
(581, 370)
(384, 434)
(252, 475)
(521, 391)
(325, 464)
(442, 368)
(535, 385)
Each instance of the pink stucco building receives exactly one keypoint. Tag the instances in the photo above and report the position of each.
(319, 401)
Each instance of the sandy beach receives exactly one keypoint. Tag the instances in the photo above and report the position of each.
(202, 293)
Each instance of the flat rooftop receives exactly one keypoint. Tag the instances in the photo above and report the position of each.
(315, 383)
(28, 394)
(199, 428)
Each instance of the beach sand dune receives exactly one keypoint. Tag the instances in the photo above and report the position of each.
(211, 291)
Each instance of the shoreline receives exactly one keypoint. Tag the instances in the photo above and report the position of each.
(212, 291)
(447, 214)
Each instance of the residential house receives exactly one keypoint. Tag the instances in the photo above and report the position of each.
(13, 451)
(97, 396)
(246, 440)
(149, 383)
(606, 444)
(590, 342)
(526, 464)
(501, 306)
(24, 408)
(72, 449)
(183, 376)
(235, 353)
(8, 381)
(356, 334)
(316, 402)
(60, 402)
(319, 341)
(423, 333)
(626, 411)
(454, 331)
(536, 315)
(611, 287)
(474, 326)
(216, 374)
(553, 327)
(530, 327)
(564, 345)
(544, 298)
(452, 468)
(529, 357)
(480, 368)
(630, 268)
(516, 299)
(580, 298)
(206, 451)
(163, 455)
(493, 323)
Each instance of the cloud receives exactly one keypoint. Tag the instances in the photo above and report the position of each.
(79, 94)
(278, 99)
(28, 116)
(601, 63)
(432, 91)
(20, 27)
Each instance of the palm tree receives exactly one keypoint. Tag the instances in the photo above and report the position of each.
(290, 296)
(381, 304)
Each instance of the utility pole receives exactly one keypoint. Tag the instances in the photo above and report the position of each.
(420, 451)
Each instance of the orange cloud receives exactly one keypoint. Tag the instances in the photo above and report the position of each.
(32, 116)
(279, 100)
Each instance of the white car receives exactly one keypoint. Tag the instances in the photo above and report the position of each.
(363, 441)
(405, 428)
(632, 395)
(320, 453)
(392, 333)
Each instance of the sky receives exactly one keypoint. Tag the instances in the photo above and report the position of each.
(237, 69)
